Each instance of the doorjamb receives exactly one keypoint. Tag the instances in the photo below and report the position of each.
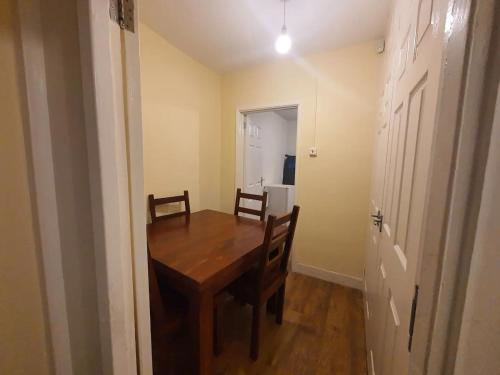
(138, 215)
(115, 147)
(240, 144)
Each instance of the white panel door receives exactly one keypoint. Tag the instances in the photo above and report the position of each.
(374, 272)
(253, 180)
(400, 180)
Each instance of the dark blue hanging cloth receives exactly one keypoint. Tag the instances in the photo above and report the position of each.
(289, 170)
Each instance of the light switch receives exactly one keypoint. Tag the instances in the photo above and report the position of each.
(313, 152)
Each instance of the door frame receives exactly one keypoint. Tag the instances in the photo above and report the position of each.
(240, 144)
(113, 101)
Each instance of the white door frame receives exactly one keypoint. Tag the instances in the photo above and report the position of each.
(115, 136)
(240, 135)
(106, 94)
(240, 145)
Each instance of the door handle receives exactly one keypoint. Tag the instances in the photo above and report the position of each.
(378, 220)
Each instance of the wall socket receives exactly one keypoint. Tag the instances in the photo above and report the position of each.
(313, 152)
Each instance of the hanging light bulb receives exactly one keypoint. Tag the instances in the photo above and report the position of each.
(284, 42)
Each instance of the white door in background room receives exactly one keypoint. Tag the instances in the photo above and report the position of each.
(399, 189)
(252, 176)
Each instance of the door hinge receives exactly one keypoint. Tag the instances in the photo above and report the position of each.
(412, 318)
(122, 12)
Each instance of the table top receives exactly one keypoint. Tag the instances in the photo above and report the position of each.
(207, 246)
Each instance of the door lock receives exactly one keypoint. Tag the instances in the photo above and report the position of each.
(378, 220)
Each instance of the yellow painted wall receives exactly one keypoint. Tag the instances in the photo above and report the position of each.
(181, 123)
(23, 327)
(338, 93)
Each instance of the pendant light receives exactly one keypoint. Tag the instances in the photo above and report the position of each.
(283, 43)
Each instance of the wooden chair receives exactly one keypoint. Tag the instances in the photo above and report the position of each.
(261, 198)
(153, 202)
(267, 280)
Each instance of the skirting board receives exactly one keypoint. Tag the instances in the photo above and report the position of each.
(331, 276)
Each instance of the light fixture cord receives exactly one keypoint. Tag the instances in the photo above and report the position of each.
(284, 14)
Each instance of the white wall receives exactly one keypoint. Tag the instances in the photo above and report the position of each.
(291, 139)
(278, 138)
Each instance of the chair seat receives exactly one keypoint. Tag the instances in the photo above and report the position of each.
(245, 287)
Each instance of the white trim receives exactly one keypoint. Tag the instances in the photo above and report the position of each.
(108, 164)
(330, 276)
(44, 181)
(137, 197)
(239, 149)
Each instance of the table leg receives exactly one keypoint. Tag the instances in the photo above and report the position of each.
(201, 327)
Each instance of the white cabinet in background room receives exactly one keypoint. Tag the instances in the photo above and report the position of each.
(280, 198)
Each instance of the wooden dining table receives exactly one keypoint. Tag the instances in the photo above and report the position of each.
(199, 255)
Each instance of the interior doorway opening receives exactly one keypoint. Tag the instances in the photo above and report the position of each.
(267, 162)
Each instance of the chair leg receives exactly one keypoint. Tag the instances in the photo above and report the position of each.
(271, 304)
(218, 331)
(280, 303)
(258, 317)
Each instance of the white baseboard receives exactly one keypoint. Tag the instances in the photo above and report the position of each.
(330, 276)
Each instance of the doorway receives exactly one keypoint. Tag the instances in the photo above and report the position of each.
(266, 155)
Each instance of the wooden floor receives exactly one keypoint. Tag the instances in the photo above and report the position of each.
(322, 334)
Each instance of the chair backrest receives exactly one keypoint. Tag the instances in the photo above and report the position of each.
(153, 202)
(261, 198)
(277, 245)
(157, 310)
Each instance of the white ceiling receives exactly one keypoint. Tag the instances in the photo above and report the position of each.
(229, 34)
